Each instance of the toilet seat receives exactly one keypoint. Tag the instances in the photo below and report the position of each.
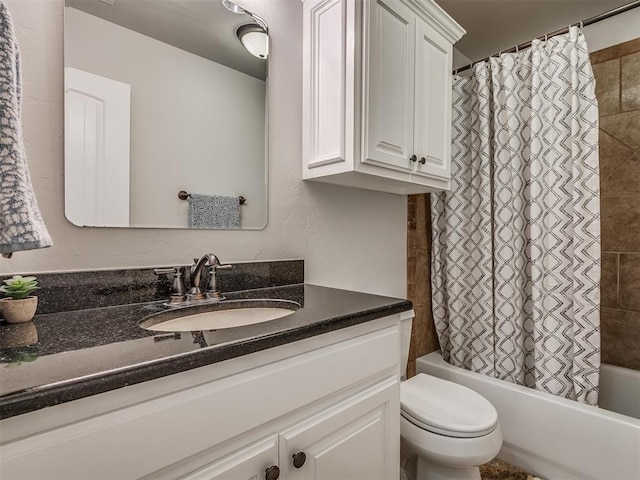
(446, 408)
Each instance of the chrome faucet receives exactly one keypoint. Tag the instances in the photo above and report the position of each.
(195, 292)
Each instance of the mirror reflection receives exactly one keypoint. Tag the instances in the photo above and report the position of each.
(165, 97)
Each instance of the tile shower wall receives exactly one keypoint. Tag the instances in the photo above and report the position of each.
(617, 72)
(423, 336)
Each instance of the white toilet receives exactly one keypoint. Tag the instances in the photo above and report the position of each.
(450, 428)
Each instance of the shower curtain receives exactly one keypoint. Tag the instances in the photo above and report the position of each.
(516, 242)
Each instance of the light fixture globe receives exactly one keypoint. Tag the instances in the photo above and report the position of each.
(255, 39)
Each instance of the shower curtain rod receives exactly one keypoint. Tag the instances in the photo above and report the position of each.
(584, 23)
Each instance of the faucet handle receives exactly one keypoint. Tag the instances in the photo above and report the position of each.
(212, 289)
(178, 290)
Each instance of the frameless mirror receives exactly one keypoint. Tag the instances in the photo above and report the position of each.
(163, 97)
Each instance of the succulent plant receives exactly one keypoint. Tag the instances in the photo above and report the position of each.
(19, 287)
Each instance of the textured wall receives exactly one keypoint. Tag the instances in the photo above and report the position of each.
(350, 238)
(617, 71)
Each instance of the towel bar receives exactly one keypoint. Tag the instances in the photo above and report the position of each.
(182, 195)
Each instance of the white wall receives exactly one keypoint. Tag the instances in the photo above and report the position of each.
(612, 31)
(196, 125)
(350, 238)
(460, 59)
(606, 33)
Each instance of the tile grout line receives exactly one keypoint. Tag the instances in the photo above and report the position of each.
(618, 279)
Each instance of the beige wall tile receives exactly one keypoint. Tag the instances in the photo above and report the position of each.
(620, 202)
(630, 84)
(421, 222)
(423, 295)
(620, 337)
(608, 86)
(411, 270)
(426, 336)
(411, 292)
(418, 275)
(612, 155)
(624, 180)
(630, 282)
(620, 223)
(411, 369)
(609, 284)
(624, 127)
(616, 51)
(412, 239)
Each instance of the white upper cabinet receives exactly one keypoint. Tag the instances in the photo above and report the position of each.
(377, 94)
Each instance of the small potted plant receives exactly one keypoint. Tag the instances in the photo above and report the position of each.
(20, 306)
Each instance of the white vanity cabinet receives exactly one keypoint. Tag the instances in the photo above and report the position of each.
(334, 398)
(377, 94)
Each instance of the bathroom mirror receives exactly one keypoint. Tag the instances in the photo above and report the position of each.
(162, 97)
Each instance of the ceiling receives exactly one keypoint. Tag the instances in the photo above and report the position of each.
(207, 29)
(495, 25)
(202, 27)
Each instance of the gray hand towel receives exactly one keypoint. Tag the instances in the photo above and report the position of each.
(21, 224)
(213, 211)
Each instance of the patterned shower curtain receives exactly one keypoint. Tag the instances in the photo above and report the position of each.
(516, 242)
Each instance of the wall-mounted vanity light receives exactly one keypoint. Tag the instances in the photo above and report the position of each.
(253, 36)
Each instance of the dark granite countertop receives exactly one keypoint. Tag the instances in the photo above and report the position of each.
(85, 352)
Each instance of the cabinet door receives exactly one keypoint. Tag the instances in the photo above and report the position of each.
(249, 463)
(356, 439)
(389, 81)
(433, 102)
(328, 79)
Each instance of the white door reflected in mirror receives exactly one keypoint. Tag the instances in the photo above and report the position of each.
(97, 122)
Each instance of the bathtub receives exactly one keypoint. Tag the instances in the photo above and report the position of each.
(556, 438)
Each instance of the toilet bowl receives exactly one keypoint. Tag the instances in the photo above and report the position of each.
(450, 428)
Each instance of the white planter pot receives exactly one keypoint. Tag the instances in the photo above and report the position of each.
(18, 311)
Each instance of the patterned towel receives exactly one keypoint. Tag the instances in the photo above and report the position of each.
(213, 211)
(21, 225)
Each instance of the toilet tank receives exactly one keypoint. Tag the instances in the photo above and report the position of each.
(406, 322)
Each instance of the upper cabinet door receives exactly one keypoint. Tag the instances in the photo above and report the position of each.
(432, 131)
(328, 77)
(389, 98)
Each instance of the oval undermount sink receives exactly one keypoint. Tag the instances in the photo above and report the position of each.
(228, 314)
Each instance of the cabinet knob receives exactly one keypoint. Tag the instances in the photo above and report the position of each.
(272, 473)
(423, 160)
(413, 158)
(299, 459)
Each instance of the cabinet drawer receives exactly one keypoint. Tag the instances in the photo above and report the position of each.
(146, 437)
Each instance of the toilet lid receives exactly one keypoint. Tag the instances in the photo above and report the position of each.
(446, 408)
